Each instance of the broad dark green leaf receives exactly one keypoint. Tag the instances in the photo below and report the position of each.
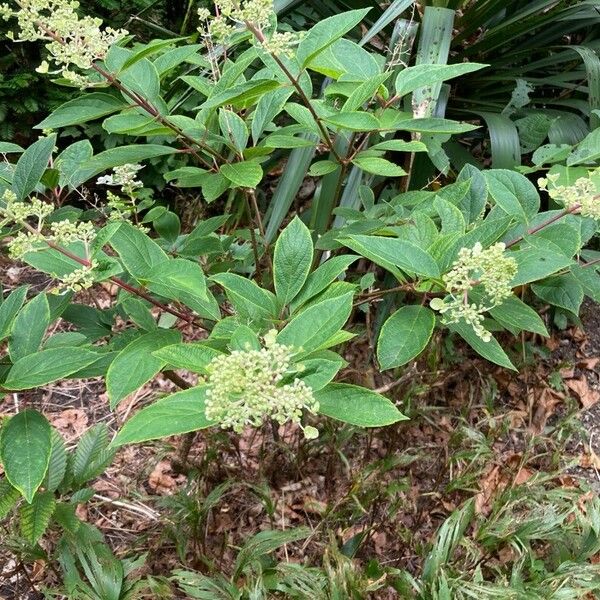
(248, 299)
(31, 166)
(35, 517)
(412, 78)
(25, 447)
(393, 254)
(176, 414)
(246, 174)
(135, 364)
(191, 356)
(29, 328)
(357, 406)
(292, 260)
(563, 291)
(325, 33)
(81, 110)
(46, 366)
(491, 350)
(311, 328)
(9, 309)
(404, 336)
(138, 252)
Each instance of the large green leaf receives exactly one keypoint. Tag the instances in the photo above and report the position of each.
(563, 291)
(50, 365)
(412, 78)
(9, 309)
(292, 260)
(316, 324)
(513, 193)
(114, 157)
(516, 316)
(25, 447)
(248, 299)
(193, 357)
(35, 517)
(357, 405)
(538, 259)
(31, 166)
(246, 174)
(393, 254)
(135, 364)
(178, 413)
(178, 279)
(404, 336)
(29, 327)
(322, 276)
(325, 33)
(138, 252)
(491, 350)
(9, 496)
(81, 110)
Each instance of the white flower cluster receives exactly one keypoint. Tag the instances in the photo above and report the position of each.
(243, 389)
(73, 41)
(232, 14)
(492, 269)
(21, 211)
(125, 177)
(80, 279)
(584, 193)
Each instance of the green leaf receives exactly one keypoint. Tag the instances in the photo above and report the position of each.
(491, 350)
(91, 450)
(234, 130)
(57, 464)
(179, 279)
(192, 357)
(9, 309)
(431, 125)
(35, 517)
(316, 324)
(237, 94)
(589, 280)
(31, 166)
(320, 369)
(378, 166)
(322, 167)
(268, 107)
(516, 316)
(29, 327)
(412, 78)
(25, 447)
(354, 121)
(135, 364)
(136, 250)
(46, 366)
(68, 161)
(400, 146)
(538, 259)
(587, 151)
(114, 157)
(404, 336)
(176, 414)
(292, 260)
(325, 33)
(513, 193)
(564, 291)
(357, 406)
(321, 277)
(242, 174)
(9, 496)
(393, 253)
(9, 148)
(81, 110)
(248, 299)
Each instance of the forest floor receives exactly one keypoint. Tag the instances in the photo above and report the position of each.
(378, 495)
